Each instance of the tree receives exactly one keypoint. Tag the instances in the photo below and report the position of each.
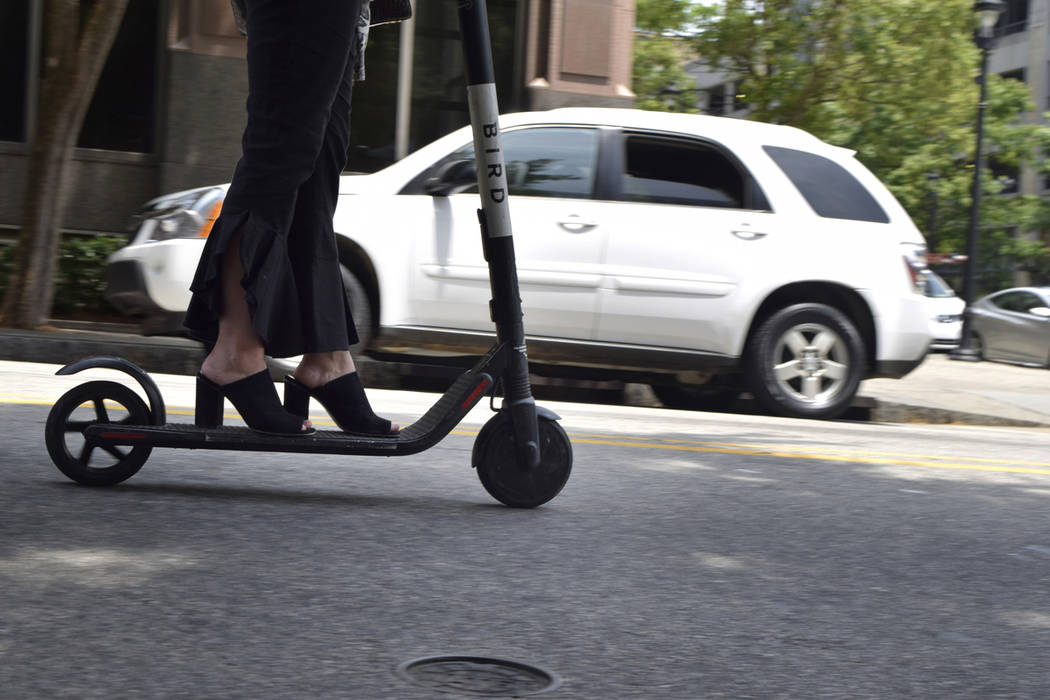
(659, 82)
(893, 80)
(660, 49)
(78, 40)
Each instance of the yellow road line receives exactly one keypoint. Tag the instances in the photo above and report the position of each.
(749, 449)
(825, 457)
(821, 450)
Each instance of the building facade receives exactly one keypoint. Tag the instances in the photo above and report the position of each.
(169, 108)
(1022, 52)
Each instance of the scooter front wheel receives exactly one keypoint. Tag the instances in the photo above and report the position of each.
(496, 461)
(88, 404)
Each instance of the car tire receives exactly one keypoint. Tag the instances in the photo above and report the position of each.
(806, 361)
(708, 397)
(360, 308)
(977, 343)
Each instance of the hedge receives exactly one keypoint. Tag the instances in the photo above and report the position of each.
(80, 283)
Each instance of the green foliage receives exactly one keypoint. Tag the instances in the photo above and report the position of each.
(659, 82)
(660, 16)
(893, 80)
(80, 283)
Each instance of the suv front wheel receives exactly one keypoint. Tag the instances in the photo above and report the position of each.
(360, 308)
(806, 361)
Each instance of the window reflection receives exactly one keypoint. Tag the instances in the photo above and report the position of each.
(14, 36)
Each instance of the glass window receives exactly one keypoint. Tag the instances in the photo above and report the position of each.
(1019, 302)
(122, 112)
(1018, 75)
(1008, 176)
(14, 39)
(551, 162)
(673, 171)
(541, 162)
(1002, 301)
(936, 287)
(439, 96)
(1015, 17)
(828, 187)
(1030, 301)
(716, 101)
(438, 89)
(374, 103)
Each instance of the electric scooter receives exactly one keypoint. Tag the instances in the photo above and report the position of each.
(522, 455)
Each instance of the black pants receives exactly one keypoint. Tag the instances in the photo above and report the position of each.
(301, 58)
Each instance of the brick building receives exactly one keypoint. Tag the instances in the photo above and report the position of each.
(169, 108)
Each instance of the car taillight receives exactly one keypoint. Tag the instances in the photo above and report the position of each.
(915, 263)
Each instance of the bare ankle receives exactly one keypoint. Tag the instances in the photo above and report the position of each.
(319, 368)
(223, 365)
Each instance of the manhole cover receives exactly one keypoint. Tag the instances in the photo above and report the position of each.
(478, 675)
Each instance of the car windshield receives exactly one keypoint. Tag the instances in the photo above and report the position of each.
(937, 287)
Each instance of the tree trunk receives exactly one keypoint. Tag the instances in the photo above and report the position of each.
(73, 61)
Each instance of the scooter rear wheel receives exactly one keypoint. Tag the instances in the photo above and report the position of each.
(89, 404)
(496, 461)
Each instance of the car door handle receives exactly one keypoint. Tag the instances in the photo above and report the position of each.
(575, 223)
(745, 235)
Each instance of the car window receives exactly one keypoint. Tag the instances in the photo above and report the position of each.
(544, 161)
(1019, 302)
(661, 170)
(828, 187)
(1029, 301)
(936, 286)
(1005, 301)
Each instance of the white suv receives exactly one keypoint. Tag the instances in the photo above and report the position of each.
(705, 256)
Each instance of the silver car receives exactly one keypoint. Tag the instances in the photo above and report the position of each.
(1013, 325)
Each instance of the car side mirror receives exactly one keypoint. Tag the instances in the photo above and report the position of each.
(451, 178)
(1040, 311)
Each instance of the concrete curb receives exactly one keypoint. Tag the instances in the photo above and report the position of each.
(173, 355)
(889, 412)
(62, 346)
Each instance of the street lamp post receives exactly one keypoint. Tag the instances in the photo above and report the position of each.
(988, 12)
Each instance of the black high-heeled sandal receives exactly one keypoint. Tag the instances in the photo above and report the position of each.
(344, 399)
(255, 398)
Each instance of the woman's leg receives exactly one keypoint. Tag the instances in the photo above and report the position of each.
(328, 325)
(244, 290)
(315, 254)
(296, 64)
(238, 350)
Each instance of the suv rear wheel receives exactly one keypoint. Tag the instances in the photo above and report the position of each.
(806, 361)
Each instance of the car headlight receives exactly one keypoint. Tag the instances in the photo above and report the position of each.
(189, 214)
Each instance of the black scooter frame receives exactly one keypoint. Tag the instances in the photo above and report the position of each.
(506, 363)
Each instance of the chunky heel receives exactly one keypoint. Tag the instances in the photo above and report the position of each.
(344, 399)
(255, 398)
(296, 398)
(209, 407)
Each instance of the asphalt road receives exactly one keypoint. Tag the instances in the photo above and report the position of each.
(690, 556)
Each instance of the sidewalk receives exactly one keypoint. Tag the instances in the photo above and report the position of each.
(941, 390)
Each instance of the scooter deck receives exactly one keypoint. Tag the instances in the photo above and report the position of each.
(435, 424)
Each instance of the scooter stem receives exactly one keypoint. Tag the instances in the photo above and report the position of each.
(494, 217)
